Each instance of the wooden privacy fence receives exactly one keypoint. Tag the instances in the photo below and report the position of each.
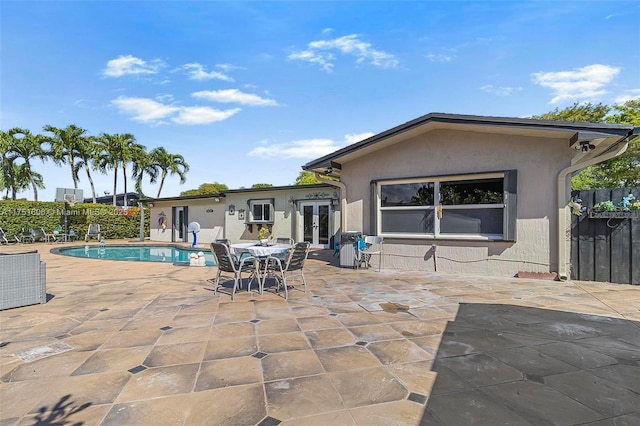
(605, 248)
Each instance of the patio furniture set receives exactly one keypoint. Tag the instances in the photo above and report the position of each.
(279, 261)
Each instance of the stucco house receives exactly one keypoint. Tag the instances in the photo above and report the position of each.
(304, 213)
(469, 194)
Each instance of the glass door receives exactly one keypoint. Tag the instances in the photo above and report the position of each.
(179, 224)
(315, 223)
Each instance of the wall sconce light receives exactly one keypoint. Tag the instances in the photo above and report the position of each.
(241, 214)
(292, 201)
(150, 204)
(587, 146)
(216, 200)
(334, 202)
(232, 209)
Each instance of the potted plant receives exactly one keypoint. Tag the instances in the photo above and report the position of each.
(626, 209)
(263, 235)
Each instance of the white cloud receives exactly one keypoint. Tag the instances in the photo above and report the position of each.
(306, 148)
(202, 115)
(130, 65)
(197, 71)
(234, 96)
(583, 83)
(327, 30)
(357, 137)
(628, 96)
(439, 57)
(145, 110)
(319, 52)
(500, 90)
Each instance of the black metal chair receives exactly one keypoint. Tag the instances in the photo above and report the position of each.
(234, 266)
(293, 266)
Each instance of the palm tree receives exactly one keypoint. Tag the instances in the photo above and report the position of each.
(143, 164)
(8, 175)
(28, 147)
(167, 163)
(108, 155)
(130, 151)
(86, 149)
(63, 146)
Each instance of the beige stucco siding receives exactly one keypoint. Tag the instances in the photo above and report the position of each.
(287, 219)
(445, 152)
(207, 212)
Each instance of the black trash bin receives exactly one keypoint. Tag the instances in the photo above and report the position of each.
(347, 248)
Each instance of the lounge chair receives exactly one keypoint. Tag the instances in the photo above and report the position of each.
(93, 231)
(38, 234)
(3, 237)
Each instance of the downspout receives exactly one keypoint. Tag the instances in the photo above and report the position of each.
(343, 199)
(562, 200)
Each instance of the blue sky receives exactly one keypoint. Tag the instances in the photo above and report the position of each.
(249, 91)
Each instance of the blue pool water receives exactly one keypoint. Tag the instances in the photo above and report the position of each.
(140, 253)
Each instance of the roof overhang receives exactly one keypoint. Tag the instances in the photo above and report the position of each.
(587, 139)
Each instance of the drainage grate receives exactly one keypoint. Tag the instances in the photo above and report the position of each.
(166, 327)
(416, 397)
(254, 321)
(259, 355)
(269, 421)
(137, 369)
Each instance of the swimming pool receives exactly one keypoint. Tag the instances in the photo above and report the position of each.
(133, 253)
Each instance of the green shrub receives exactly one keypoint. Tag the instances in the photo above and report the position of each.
(115, 223)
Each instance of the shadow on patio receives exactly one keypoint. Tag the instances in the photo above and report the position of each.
(506, 364)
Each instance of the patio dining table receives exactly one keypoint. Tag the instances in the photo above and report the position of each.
(260, 252)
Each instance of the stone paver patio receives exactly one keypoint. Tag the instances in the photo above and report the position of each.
(125, 343)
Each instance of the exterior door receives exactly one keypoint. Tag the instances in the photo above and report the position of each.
(179, 224)
(315, 224)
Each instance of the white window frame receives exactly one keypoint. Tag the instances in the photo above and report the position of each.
(263, 202)
(437, 234)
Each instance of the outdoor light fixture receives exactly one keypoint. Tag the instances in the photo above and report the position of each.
(217, 200)
(292, 200)
(587, 146)
(232, 209)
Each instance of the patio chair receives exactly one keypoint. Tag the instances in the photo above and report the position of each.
(57, 236)
(38, 234)
(233, 265)
(292, 267)
(365, 249)
(72, 235)
(92, 231)
(3, 237)
(26, 236)
(284, 240)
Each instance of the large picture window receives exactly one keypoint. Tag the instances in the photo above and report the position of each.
(261, 211)
(476, 206)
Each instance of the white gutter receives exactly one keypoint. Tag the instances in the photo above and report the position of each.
(562, 201)
(343, 199)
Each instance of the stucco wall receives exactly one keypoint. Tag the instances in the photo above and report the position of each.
(287, 217)
(443, 152)
(208, 213)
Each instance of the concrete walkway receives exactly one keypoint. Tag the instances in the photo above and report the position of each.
(126, 343)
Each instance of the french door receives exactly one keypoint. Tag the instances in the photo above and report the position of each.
(315, 224)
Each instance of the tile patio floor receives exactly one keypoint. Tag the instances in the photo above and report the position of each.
(125, 343)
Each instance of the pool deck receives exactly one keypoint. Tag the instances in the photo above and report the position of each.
(134, 343)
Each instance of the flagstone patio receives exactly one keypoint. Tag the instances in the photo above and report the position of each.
(149, 344)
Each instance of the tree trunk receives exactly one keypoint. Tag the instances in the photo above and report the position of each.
(124, 176)
(164, 175)
(73, 175)
(115, 183)
(93, 189)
